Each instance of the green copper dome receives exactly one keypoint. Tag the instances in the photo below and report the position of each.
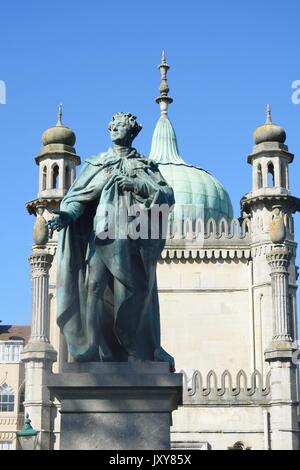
(196, 191)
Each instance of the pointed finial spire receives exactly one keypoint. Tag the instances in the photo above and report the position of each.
(164, 100)
(269, 118)
(59, 116)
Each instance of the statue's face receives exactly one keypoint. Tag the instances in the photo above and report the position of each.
(120, 132)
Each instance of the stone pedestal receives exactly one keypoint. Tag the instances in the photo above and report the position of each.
(116, 405)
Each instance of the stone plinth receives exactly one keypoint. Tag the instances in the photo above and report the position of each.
(116, 405)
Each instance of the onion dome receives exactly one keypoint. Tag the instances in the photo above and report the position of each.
(59, 134)
(269, 132)
(197, 193)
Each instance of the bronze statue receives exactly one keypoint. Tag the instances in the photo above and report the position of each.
(107, 300)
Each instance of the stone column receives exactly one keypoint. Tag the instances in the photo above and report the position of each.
(279, 260)
(284, 404)
(39, 355)
(40, 262)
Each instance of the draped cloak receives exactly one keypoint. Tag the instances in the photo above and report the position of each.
(132, 262)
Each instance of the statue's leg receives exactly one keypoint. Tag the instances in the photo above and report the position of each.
(98, 278)
(137, 318)
(134, 331)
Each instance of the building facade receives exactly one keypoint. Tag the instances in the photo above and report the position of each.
(12, 383)
(227, 289)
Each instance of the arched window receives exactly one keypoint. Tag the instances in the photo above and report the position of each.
(259, 177)
(55, 174)
(44, 178)
(7, 398)
(21, 398)
(270, 175)
(67, 177)
(283, 174)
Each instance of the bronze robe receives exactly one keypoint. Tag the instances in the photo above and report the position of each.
(132, 328)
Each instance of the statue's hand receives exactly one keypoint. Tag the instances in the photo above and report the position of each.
(60, 221)
(125, 183)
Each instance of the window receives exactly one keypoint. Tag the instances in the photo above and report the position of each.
(259, 177)
(7, 398)
(44, 184)
(271, 175)
(55, 173)
(6, 445)
(67, 178)
(10, 351)
(283, 175)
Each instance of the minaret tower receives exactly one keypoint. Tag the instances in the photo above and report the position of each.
(57, 160)
(273, 278)
(57, 163)
(270, 160)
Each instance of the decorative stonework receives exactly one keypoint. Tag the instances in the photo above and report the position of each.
(7, 436)
(279, 261)
(202, 254)
(243, 389)
(265, 248)
(269, 200)
(40, 230)
(48, 202)
(8, 421)
(210, 230)
(40, 262)
(277, 228)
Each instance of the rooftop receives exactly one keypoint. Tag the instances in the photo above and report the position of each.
(14, 332)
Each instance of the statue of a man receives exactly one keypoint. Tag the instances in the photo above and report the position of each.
(107, 300)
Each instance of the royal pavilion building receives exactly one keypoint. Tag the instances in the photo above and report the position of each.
(227, 289)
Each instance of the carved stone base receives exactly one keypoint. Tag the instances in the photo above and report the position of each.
(280, 351)
(116, 405)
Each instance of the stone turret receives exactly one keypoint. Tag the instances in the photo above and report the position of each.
(270, 160)
(57, 160)
(46, 349)
(57, 163)
(270, 206)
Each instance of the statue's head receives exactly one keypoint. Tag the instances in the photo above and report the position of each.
(123, 128)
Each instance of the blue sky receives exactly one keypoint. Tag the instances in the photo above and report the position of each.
(228, 60)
